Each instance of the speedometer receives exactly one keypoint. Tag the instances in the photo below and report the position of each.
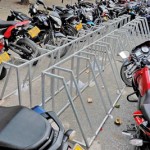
(145, 49)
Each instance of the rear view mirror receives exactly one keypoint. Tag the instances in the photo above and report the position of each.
(124, 54)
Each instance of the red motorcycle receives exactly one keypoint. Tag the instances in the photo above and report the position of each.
(140, 136)
(15, 37)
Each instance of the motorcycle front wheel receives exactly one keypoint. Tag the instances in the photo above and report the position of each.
(98, 21)
(29, 45)
(3, 73)
(126, 76)
(145, 147)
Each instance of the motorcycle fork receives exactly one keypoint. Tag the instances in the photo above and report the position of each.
(131, 68)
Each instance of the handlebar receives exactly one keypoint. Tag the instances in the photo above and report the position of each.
(140, 61)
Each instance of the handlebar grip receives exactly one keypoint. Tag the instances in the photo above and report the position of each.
(145, 62)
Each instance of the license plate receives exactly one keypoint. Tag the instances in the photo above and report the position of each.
(4, 57)
(79, 26)
(34, 31)
(105, 18)
(78, 147)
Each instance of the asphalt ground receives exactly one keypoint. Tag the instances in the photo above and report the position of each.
(110, 137)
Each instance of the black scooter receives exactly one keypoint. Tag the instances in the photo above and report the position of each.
(25, 129)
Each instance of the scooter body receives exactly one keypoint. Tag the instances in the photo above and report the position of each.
(34, 132)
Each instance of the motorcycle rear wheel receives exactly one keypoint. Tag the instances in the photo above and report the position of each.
(3, 73)
(126, 80)
(30, 45)
(56, 41)
(70, 30)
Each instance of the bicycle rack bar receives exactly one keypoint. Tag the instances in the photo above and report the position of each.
(94, 50)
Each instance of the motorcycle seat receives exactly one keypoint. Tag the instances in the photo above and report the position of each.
(22, 129)
(61, 8)
(22, 15)
(67, 16)
(4, 24)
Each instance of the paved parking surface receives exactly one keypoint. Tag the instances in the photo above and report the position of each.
(110, 137)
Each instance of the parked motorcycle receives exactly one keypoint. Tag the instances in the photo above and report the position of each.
(140, 133)
(4, 57)
(50, 22)
(70, 22)
(129, 65)
(35, 33)
(66, 17)
(90, 13)
(47, 21)
(19, 131)
(15, 38)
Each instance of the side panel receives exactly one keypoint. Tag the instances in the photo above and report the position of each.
(142, 79)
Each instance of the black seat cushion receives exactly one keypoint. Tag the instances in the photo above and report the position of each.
(4, 24)
(22, 15)
(61, 8)
(22, 128)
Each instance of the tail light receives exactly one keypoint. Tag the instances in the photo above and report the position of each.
(1, 43)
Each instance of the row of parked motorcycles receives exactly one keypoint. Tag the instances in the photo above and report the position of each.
(135, 73)
(23, 34)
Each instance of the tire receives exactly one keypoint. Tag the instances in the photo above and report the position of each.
(126, 80)
(145, 147)
(57, 41)
(70, 30)
(3, 73)
(98, 21)
(137, 148)
(85, 27)
(30, 45)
